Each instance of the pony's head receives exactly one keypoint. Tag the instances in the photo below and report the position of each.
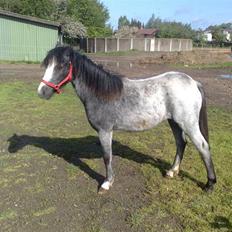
(58, 64)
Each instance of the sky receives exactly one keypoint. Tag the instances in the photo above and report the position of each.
(198, 13)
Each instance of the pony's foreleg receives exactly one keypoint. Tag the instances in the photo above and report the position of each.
(105, 138)
(180, 147)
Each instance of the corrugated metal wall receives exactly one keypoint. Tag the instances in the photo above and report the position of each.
(22, 41)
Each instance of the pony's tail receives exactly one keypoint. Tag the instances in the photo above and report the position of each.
(203, 121)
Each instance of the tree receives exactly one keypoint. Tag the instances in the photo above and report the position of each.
(91, 13)
(123, 21)
(60, 10)
(153, 22)
(218, 35)
(41, 9)
(73, 28)
(170, 29)
(135, 23)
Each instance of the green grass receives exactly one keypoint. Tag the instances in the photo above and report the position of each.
(7, 215)
(51, 127)
(18, 62)
(43, 212)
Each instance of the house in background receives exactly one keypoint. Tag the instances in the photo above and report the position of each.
(227, 34)
(208, 36)
(146, 33)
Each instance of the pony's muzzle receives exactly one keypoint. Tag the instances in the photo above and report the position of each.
(45, 91)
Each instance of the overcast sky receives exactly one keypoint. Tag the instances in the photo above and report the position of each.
(199, 13)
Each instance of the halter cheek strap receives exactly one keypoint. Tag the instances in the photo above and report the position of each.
(57, 87)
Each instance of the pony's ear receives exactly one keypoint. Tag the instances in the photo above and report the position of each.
(68, 54)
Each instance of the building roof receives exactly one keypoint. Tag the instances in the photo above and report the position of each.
(146, 31)
(228, 30)
(28, 18)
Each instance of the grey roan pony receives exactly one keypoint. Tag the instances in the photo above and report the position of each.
(115, 103)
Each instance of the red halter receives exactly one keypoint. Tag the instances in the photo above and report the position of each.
(67, 79)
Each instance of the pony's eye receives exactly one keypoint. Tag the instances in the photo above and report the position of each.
(60, 66)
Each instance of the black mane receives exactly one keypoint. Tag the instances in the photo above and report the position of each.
(103, 83)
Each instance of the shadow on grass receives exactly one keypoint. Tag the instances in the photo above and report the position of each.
(221, 223)
(74, 149)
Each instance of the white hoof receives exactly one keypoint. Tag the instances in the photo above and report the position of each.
(170, 173)
(107, 184)
(105, 187)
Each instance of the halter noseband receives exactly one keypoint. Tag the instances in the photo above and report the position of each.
(67, 79)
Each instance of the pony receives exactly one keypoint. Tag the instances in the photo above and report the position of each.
(113, 102)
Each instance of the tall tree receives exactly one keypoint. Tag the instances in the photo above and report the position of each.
(123, 21)
(135, 23)
(41, 9)
(91, 13)
(170, 29)
(153, 22)
(218, 35)
(86, 14)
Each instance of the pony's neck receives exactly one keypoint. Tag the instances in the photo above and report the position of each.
(95, 80)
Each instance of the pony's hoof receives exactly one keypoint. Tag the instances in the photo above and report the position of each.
(209, 186)
(105, 186)
(171, 173)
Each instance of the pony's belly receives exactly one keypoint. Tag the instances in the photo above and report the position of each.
(137, 125)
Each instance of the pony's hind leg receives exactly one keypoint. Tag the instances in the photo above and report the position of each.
(203, 147)
(180, 147)
(105, 138)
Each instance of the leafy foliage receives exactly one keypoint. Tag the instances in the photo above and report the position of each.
(123, 21)
(168, 29)
(79, 17)
(73, 28)
(91, 13)
(217, 31)
(218, 35)
(41, 9)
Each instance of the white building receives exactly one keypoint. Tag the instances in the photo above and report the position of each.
(227, 34)
(208, 36)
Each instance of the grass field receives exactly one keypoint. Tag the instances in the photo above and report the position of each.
(50, 167)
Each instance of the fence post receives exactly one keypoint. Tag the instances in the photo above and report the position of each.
(131, 44)
(170, 45)
(106, 45)
(180, 45)
(117, 44)
(145, 44)
(158, 45)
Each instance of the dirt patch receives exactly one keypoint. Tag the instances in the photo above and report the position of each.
(192, 57)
